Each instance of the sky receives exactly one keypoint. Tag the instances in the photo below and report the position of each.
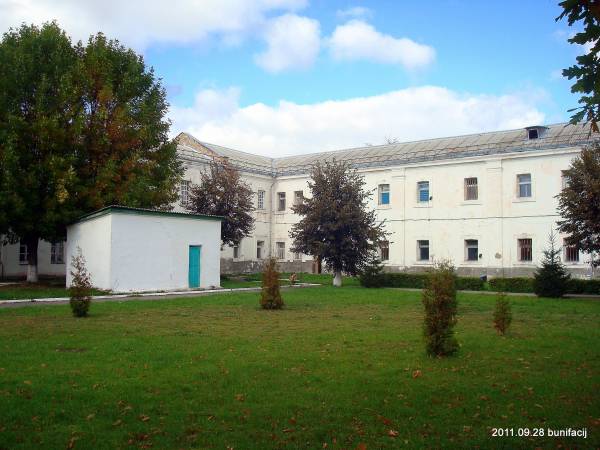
(283, 77)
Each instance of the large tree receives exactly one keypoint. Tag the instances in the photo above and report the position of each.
(579, 202)
(81, 127)
(586, 71)
(336, 223)
(222, 192)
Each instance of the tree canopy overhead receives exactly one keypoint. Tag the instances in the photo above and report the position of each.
(81, 127)
(336, 223)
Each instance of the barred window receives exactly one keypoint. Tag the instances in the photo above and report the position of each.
(260, 200)
(57, 253)
(423, 250)
(384, 250)
(571, 253)
(525, 250)
(471, 189)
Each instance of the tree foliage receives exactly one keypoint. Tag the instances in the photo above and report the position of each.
(439, 300)
(336, 224)
(579, 202)
(81, 127)
(81, 286)
(502, 313)
(552, 279)
(372, 275)
(222, 192)
(270, 296)
(586, 71)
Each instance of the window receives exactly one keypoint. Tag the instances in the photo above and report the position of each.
(236, 252)
(384, 194)
(571, 253)
(281, 201)
(423, 191)
(423, 250)
(259, 249)
(280, 250)
(564, 180)
(524, 185)
(260, 200)
(384, 250)
(298, 197)
(532, 134)
(472, 250)
(23, 255)
(184, 192)
(57, 253)
(298, 256)
(525, 250)
(471, 190)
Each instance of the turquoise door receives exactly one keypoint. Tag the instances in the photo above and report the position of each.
(194, 267)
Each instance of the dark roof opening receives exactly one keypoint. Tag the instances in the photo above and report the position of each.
(533, 133)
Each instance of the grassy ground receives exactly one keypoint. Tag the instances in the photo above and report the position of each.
(44, 289)
(336, 368)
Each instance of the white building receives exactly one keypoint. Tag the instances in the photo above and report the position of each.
(134, 250)
(486, 201)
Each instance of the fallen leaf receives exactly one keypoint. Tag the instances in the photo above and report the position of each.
(392, 433)
(240, 397)
(385, 420)
(416, 374)
(27, 382)
(144, 418)
(361, 446)
(117, 423)
(90, 416)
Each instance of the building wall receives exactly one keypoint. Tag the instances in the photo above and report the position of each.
(10, 267)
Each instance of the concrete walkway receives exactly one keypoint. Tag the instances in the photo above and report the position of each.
(511, 294)
(140, 296)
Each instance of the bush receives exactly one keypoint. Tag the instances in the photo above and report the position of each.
(81, 287)
(552, 279)
(502, 314)
(270, 296)
(470, 284)
(514, 284)
(439, 300)
(577, 286)
(405, 280)
(373, 276)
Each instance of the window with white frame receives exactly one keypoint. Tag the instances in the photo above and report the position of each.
(236, 251)
(281, 201)
(471, 189)
(471, 250)
(298, 197)
(423, 250)
(57, 253)
(23, 254)
(280, 246)
(260, 200)
(525, 249)
(571, 253)
(260, 245)
(184, 192)
(564, 179)
(384, 194)
(423, 191)
(297, 256)
(524, 185)
(384, 250)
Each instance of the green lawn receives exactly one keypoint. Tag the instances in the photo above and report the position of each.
(336, 368)
(44, 289)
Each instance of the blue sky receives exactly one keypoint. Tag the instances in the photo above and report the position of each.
(293, 76)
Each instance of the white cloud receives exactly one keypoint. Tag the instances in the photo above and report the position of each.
(407, 114)
(293, 42)
(139, 23)
(358, 40)
(355, 12)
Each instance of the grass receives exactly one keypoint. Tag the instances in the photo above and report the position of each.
(335, 368)
(44, 289)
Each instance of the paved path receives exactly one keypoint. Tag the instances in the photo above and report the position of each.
(143, 296)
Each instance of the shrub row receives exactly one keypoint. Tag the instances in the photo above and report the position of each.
(518, 284)
(417, 281)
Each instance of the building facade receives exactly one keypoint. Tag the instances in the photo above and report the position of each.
(485, 201)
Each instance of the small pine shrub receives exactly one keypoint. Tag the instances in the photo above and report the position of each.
(372, 276)
(270, 296)
(439, 300)
(502, 314)
(81, 286)
(552, 279)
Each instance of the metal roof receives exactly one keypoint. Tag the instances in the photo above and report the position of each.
(555, 136)
(144, 211)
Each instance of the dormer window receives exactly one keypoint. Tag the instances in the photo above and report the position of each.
(536, 132)
(533, 133)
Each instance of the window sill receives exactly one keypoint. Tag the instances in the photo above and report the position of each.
(471, 202)
(422, 205)
(423, 263)
(384, 206)
(524, 200)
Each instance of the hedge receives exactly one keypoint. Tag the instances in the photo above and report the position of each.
(417, 281)
(578, 286)
(516, 284)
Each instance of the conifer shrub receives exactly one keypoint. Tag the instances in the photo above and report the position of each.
(439, 300)
(372, 275)
(552, 279)
(80, 291)
(502, 314)
(270, 296)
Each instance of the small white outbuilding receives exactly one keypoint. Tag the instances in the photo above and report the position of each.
(134, 250)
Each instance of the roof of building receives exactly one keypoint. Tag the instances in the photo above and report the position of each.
(143, 211)
(555, 136)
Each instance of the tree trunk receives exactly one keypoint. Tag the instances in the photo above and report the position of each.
(337, 279)
(32, 258)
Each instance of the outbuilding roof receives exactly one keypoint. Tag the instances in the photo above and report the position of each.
(555, 136)
(143, 211)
